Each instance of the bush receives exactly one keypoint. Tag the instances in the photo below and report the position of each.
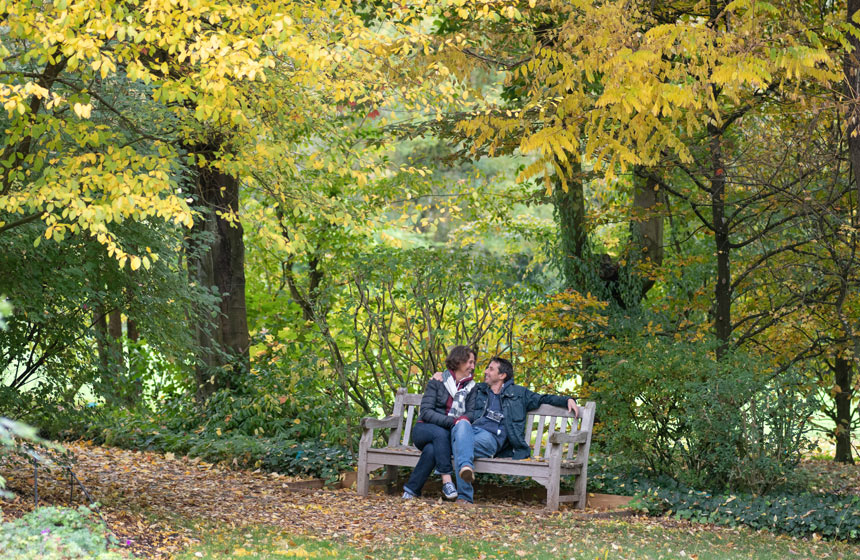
(281, 418)
(52, 533)
(669, 407)
(310, 458)
(280, 453)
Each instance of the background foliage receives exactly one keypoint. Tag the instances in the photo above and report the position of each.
(232, 231)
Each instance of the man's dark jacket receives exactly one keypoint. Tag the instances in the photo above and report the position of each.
(516, 402)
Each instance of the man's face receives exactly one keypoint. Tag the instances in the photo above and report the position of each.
(492, 375)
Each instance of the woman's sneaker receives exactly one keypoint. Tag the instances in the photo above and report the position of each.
(449, 491)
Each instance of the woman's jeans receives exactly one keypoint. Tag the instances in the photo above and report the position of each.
(435, 445)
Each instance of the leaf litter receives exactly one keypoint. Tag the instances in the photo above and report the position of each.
(159, 504)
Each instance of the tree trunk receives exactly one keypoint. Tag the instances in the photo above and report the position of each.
(101, 327)
(131, 326)
(851, 67)
(223, 350)
(723, 287)
(647, 230)
(842, 377)
(117, 355)
(573, 237)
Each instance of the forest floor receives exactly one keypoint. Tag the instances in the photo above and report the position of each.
(160, 505)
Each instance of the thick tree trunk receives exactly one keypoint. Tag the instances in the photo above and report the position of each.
(573, 237)
(131, 326)
(646, 229)
(223, 353)
(842, 377)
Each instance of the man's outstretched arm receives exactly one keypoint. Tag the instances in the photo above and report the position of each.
(534, 400)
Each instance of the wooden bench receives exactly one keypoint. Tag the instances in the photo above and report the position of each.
(564, 440)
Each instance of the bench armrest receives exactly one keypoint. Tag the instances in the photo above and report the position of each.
(576, 437)
(369, 423)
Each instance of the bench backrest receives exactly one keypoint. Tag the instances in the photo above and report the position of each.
(540, 423)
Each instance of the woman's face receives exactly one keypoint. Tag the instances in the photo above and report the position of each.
(466, 368)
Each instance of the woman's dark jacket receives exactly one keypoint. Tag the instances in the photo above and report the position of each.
(434, 404)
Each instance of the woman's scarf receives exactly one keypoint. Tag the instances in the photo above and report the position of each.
(458, 392)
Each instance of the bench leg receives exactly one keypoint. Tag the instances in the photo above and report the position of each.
(362, 480)
(581, 487)
(554, 479)
(390, 479)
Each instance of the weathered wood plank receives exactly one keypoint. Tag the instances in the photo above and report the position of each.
(539, 436)
(407, 428)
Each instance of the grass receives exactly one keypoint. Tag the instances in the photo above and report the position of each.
(559, 539)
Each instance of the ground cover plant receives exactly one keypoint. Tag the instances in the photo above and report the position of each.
(51, 533)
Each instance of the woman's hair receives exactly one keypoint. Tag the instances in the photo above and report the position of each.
(458, 356)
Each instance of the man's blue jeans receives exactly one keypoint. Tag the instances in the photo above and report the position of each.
(469, 442)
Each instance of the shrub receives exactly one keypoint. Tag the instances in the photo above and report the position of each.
(310, 458)
(52, 533)
(282, 454)
(668, 406)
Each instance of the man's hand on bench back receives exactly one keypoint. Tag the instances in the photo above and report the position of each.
(437, 376)
(571, 407)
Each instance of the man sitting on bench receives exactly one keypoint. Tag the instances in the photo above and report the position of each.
(495, 423)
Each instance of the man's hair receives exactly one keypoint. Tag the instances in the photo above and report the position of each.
(505, 367)
(458, 356)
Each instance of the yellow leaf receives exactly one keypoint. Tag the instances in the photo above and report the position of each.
(83, 111)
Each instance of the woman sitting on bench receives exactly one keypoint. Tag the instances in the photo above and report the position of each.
(442, 404)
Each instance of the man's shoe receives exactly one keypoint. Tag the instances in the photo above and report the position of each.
(464, 503)
(449, 491)
(408, 496)
(467, 474)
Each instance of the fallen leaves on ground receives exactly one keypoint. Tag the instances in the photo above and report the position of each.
(156, 504)
(832, 477)
(140, 492)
